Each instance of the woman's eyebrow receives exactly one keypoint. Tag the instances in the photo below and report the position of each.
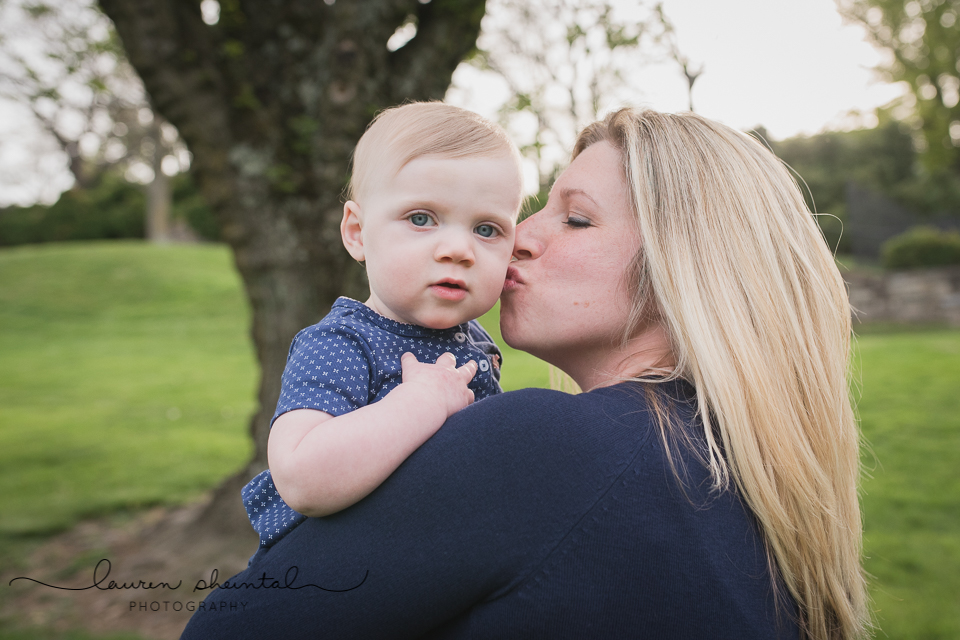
(573, 191)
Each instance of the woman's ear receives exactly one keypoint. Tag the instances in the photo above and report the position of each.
(351, 231)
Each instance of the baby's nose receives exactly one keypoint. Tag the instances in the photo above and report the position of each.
(455, 246)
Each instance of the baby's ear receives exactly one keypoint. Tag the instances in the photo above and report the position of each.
(351, 230)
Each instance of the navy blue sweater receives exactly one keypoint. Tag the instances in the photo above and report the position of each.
(532, 514)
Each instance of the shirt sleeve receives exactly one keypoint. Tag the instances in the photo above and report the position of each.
(328, 369)
(454, 526)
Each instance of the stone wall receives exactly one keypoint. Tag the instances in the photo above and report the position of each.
(915, 296)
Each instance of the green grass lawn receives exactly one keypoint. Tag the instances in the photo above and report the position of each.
(520, 370)
(127, 378)
(910, 413)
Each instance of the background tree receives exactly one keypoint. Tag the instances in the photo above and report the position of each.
(923, 39)
(881, 159)
(690, 70)
(63, 61)
(271, 99)
(564, 63)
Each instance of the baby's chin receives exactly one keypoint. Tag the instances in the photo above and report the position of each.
(445, 323)
(448, 321)
(435, 314)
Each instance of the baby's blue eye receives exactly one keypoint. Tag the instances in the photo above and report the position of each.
(486, 230)
(420, 219)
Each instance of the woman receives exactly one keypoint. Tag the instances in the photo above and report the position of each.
(704, 486)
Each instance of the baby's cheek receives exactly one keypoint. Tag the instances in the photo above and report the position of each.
(508, 247)
(504, 260)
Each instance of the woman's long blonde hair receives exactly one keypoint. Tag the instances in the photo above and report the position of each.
(735, 268)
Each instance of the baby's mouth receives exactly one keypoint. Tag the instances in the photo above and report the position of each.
(453, 290)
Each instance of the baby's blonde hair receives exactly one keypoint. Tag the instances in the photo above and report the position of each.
(401, 134)
(734, 267)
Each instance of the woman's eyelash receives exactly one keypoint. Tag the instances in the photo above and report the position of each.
(577, 223)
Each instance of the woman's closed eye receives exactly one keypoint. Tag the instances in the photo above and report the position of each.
(421, 219)
(577, 222)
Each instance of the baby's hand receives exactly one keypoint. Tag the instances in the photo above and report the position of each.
(442, 383)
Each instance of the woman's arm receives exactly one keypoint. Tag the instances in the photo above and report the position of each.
(322, 464)
(466, 518)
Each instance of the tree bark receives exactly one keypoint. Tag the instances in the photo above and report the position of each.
(159, 200)
(271, 101)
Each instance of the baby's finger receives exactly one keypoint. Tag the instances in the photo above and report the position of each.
(468, 370)
(447, 360)
(407, 360)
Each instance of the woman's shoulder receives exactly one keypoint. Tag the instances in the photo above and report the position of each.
(541, 435)
(626, 410)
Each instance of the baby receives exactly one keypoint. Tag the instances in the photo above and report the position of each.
(434, 198)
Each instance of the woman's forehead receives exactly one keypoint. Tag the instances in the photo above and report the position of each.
(595, 175)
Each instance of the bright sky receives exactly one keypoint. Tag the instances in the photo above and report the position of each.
(789, 65)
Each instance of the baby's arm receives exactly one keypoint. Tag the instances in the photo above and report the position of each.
(322, 463)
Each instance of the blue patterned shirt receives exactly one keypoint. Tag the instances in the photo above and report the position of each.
(351, 359)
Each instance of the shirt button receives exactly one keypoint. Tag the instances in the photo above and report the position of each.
(459, 336)
(484, 364)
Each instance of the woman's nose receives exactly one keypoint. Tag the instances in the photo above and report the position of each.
(528, 244)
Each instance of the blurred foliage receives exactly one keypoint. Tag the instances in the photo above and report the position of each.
(189, 205)
(64, 62)
(566, 62)
(111, 208)
(532, 204)
(922, 39)
(922, 247)
(883, 159)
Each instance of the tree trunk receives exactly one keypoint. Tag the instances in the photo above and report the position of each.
(271, 101)
(159, 199)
